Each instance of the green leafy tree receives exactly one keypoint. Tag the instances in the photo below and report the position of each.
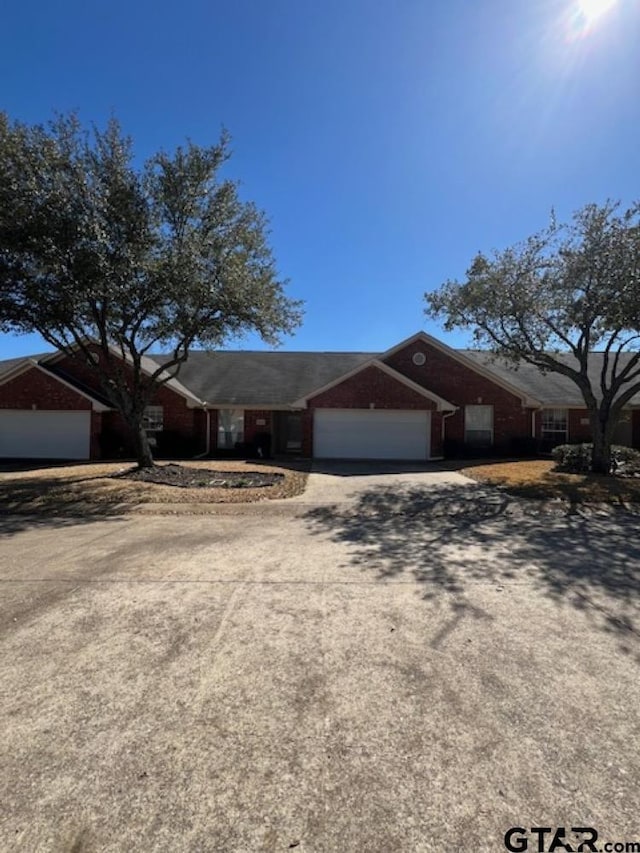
(556, 298)
(96, 251)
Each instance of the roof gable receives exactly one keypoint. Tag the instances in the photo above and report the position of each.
(285, 380)
(24, 365)
(441, 403)
(148, 365)
(506, 382)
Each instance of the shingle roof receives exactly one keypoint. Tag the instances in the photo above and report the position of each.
(552, 389)
(150, 365)
(262, 378)
(10, 363)
(272, 379)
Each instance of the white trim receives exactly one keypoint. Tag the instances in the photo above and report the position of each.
(464, 360)
(212, 407)
(441, 403)
(30, 364)
(174, 384)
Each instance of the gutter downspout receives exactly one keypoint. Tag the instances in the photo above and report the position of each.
(533, 420)
(207, 411)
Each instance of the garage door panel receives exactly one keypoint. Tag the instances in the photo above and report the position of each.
(26, 434)
(371, 434)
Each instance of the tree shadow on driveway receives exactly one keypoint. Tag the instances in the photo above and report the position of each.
(47, 502)
(447, 538)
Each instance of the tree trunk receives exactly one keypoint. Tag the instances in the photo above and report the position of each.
(144, 456)
(601, 459)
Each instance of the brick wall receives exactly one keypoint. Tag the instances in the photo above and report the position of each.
(462, 386)
(178, 418)
(96, 428)
(436, 434)
(307, 433)
(34, 387)
(253, 428)
(371, 385)
(577, 430)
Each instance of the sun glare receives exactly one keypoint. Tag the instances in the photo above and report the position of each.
(583, 17)
(591, 10)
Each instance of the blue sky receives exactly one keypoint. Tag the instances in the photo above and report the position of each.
(387, 140)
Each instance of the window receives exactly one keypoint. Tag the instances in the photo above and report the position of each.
(230, 427)
(554, 426)
(153, 419)
(478, 425)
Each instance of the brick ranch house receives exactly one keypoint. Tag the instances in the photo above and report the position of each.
(421, 399)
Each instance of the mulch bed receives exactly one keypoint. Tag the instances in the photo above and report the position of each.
(193, 478)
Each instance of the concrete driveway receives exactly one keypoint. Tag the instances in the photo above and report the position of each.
(417, 667)
(339, 482)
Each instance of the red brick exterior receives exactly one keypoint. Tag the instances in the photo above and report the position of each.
(370, 386)
(460, 385)
(251, 425)
(436, 435)
(183, 422)
(96, 429)
(34, 388)
(307, 433)
(441, 374)
(579, 431)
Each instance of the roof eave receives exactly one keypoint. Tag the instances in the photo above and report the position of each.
(527, 401)
(171, 383)
(31, 364)
(441, 403)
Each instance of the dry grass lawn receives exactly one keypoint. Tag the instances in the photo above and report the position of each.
(535, 478)
(95, 488)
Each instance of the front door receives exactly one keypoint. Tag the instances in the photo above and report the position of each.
(288, 432)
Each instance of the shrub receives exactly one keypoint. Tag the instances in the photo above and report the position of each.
(626, 459)
(576, 458)
(573, 458)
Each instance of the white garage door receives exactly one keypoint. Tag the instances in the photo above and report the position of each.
(44, 435)
(371, 434)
